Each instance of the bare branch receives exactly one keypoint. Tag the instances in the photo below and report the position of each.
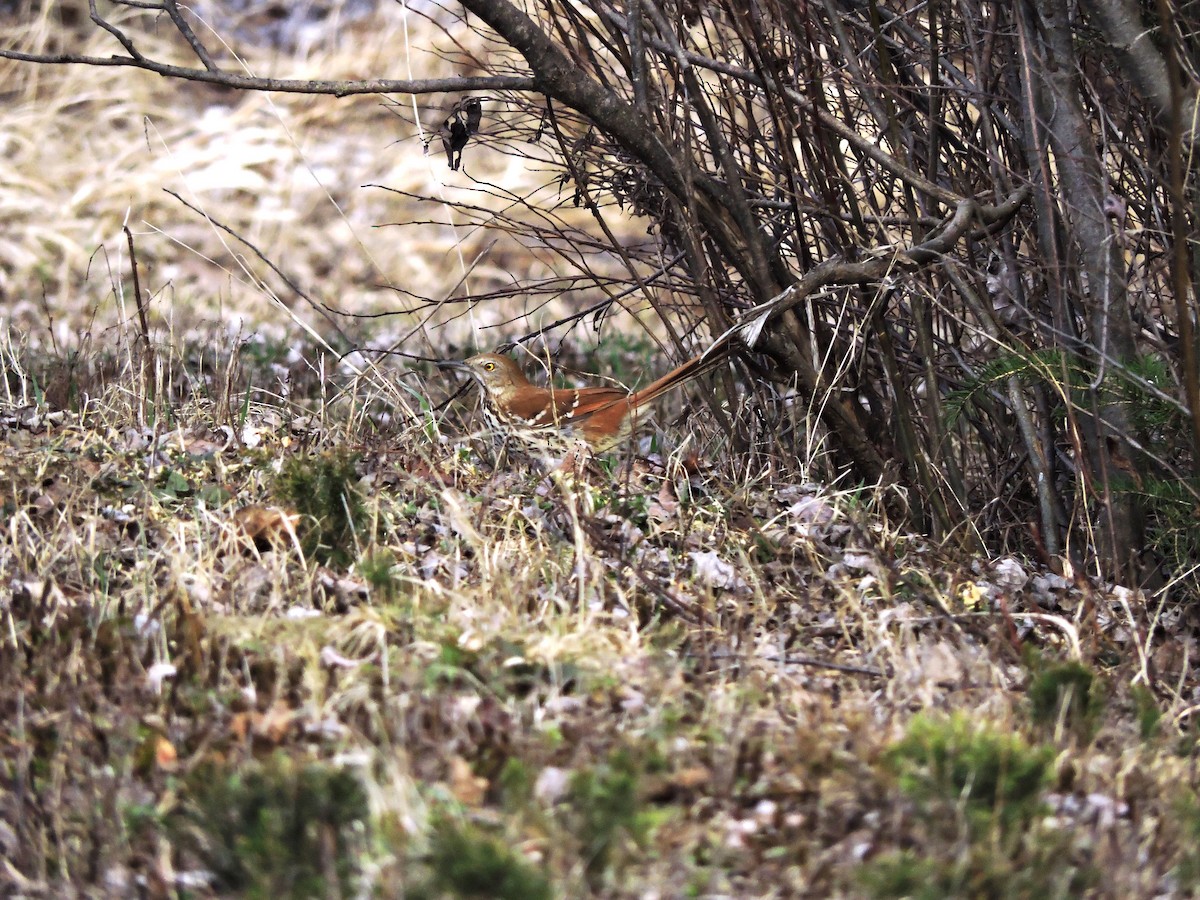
(283, 85)
(1123, 26)
(116, 32)
(181, 23)
(882, 262)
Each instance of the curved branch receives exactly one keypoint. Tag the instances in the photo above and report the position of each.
(284, 85)
(839, 271)
(124, 39)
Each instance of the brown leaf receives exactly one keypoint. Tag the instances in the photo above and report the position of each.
(240, 724)
(692, 777)
(666, 505)
(275, 723)
(467, 787)
(267, 527)
(165, 754)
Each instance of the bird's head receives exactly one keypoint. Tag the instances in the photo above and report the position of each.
(497, 375)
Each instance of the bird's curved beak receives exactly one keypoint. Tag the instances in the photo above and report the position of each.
(454, 364)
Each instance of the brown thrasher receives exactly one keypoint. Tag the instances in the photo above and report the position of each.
(600, 417)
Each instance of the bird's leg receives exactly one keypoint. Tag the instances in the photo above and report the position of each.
(502, 453)
(569, 477)
(572, 468)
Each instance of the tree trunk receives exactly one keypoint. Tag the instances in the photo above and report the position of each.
(1054, 92)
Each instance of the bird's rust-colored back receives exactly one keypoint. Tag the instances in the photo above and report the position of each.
(600, 416)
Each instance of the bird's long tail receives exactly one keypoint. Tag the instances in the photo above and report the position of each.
(707, 361)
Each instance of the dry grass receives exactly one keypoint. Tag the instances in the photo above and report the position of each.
(441, 678)
(657, 685)
(323, 187)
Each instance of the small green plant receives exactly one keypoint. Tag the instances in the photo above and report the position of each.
(1187, 814)
(378, 570)
(1149, 716)
(516, 784)
(466, 863)
(1171, 533)
(980, 797)
(274, 829)
(323, 490)
(1047, 365)
(1066, 693)
(952, 761)
(904, 874)
(604, 805)
(981, 872)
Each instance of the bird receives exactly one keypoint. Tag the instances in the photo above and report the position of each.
(601, 418)
(463, 121)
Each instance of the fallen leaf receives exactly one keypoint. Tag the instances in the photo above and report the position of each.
(692, 777)
(275, 723)
(157, 673)
(709, 569)
(664, 506)
(467, 787)
(266, 527)
(165, 754)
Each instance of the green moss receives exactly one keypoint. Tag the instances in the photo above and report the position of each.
(1068, 693)
(378, 569)
(952, 761)
(466, 862)
(1149, 716)
(604, 808)
(323, 490)
(983, 871)
(274, 829)
(981, 829)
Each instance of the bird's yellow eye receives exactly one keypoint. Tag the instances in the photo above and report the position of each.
(488, 366)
